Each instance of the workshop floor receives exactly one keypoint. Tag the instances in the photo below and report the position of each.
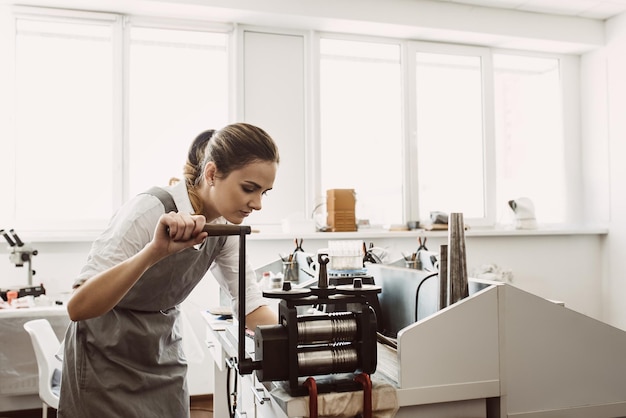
(201, 407)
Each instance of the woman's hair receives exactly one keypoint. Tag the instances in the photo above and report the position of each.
(230, 148)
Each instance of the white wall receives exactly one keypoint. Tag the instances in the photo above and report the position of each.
(565, 266)
(616, 149)
(604, 146)
(416, 19)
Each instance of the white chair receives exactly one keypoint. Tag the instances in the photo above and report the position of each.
(46, 345)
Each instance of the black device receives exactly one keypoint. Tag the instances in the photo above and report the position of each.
(334, 345)
(25, 291)
(305, 345)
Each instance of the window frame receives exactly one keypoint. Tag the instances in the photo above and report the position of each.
(166, 24)
(569, 68)
(120, 38)
(488, 151)
(318, 193)
(14, 14)
(570, 90)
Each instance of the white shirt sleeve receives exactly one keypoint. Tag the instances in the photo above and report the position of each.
(129, 230)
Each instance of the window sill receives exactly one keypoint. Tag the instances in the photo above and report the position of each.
(549, 230)
(275, 233)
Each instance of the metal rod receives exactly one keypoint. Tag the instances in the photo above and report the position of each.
(244, 365)
(311, 385)
(457, 264)
(365, 381)
(223, 229)
(444, 285)
(242, 300)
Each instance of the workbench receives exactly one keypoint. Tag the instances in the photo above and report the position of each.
(265, 400)
(501, 352)
(19, 382)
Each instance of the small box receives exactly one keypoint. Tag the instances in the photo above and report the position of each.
(340, 210)
(341, 221)
(340, 200)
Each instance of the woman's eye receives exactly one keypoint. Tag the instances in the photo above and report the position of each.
(248, 189)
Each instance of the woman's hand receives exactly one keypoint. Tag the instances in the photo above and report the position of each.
(177, 231)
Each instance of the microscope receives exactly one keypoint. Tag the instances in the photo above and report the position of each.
(21, 254)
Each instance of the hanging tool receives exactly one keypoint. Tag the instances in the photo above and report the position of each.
(369, 254)
(298, 245)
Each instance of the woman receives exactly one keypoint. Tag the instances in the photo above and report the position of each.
(123, 350)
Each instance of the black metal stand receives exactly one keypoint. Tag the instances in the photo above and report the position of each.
(244, 365)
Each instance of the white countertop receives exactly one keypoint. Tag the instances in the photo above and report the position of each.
(35, 311)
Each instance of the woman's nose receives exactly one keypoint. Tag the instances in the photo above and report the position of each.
(255, 203)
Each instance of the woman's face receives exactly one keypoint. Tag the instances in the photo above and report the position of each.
(235, 197)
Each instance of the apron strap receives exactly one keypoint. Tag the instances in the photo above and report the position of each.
(168, 201)
(165, 197)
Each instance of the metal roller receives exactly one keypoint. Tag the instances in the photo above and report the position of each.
(327, 360)
(332, 328)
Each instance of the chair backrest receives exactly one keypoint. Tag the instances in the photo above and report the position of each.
(45, 344)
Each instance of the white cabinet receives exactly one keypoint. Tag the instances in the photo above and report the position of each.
(258, 401)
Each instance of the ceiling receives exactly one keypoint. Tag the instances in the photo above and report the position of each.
(592, 9)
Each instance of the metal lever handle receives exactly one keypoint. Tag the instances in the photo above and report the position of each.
(258, 395)
(218, 230)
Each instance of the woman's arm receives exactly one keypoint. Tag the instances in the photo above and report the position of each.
(263, 315)
(98, 295)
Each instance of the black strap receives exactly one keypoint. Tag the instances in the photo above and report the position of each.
(165, 197)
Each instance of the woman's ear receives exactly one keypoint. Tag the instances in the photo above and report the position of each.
(209, 173)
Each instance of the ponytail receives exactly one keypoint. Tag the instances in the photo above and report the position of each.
(193, 167)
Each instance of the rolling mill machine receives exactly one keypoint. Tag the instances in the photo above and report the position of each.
(311, 351)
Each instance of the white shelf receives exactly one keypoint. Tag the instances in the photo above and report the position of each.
(472, 232)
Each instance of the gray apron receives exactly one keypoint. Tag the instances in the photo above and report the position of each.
(129, 362)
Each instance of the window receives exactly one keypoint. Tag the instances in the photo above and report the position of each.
(178, 87)
(102, 106)
(361, 125)
(104, 111)
(529, 134)
(488, 128)
(450, 134)
(63, 122)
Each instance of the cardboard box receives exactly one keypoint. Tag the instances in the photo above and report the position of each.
(340, 200)
(340, 209)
